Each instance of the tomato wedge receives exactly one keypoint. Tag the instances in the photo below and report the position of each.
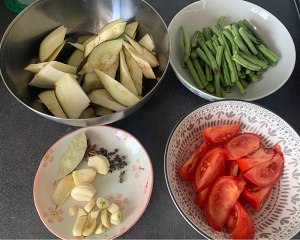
(240, 225)
(188, 169)
(201, 197)
(232, 168)
(256, 198)
(220, 134)
(221, 199)
(210, 168)
(242, 145)
(260, 155)
(266, 173)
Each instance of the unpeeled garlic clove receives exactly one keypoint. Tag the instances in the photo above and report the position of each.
(86, 175)
(79, 225)
(115, 218)
(100, 163)
(83, 192)
(102, 203)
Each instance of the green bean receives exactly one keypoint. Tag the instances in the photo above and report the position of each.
(209, 44)
(208, 73)
(203, 56)
(240, 87)
(244, 83)
(249, 34)
(201, 38)
(200, 71)
(211, 58)
(194, 54)
(254, 77)
(228, 89)
(215, 30)
(194, 74)
(194, 40)
(182, 49)
(229, 36)
(247, 40)
(234, 30)
(254, 60)
(207, 33)
(210, 88)
(223, 42)
(220, 22)
(225, 72)
(187, 43)
(250, 27)
(268, 53)
(231, 66)
(219, 55)
(245, 63)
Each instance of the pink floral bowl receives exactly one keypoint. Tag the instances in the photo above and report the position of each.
(133, 194)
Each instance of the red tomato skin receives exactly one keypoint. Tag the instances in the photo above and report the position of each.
(266, 173)
(232, 168)
(188, 169)
(260, 155)
(210, 168)
(220, 134)
(256, 198)
(240, 224)
(201, 197)
(242, 145)
(221, 199)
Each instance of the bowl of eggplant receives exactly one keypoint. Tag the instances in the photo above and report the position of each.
(85, 62)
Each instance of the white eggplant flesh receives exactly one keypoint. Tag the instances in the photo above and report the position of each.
(120, 93)
(147, 55)
(49, 99)
(91, 82)
(147, 42)
(35, 67)
(51, 42)
(111, 31)
(103, 55)
(135, 72)
(54, 55)
(76, 58)
(103, 98)
(63, 67)
(102, 111)
(131, 29)
(70, 96)
(125, 77)
(78, 46)
(88, 113)
(112, 70)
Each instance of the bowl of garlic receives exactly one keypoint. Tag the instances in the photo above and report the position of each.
(92, 186)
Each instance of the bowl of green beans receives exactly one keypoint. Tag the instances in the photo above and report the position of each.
(230, 50)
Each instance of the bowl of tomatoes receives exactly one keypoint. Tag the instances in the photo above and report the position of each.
(231, 170)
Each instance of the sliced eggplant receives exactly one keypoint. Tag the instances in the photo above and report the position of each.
(76, 58)
(91, 82)
(78, 46)
(117, 90)
(35, 67)
(63, 67)
(103, 56)
(51, 42)
(147, 42)
(110, 31)
(70, 96)
(102, 111)
(103, 98)
(125, 77)
(131, 29)
(49, 99)
(135, 72)
(54, 55)
(147, 55)
(112, 70)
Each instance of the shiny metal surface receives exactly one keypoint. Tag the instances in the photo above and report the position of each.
(20, 43)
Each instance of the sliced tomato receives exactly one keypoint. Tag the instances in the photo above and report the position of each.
(266, 173)
(277, 149)
(260, 155)
(201, 197)
(242, 145)
(240, 225)
(256, 198)
(221, 199)
(232, 168)
(221, 134)
(210, 168)
(188, 169)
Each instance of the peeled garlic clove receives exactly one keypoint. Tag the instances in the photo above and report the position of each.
(100, 163)
(115, 218)
(81, 212)
(86, 175)
(102, 203)
(89, 227)
(105, 218)
(79, 226)
(95, 214)
(113, 208)
(90, 205)
(100, 229)
(72, 211)
(83, 192)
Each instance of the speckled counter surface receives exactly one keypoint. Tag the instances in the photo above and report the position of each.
(25, 137)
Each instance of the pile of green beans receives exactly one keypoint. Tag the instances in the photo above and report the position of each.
(220, 57)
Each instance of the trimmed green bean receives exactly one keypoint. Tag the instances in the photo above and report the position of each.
(268, 53)
(220, 22)
(219, 55)
(194, 40)
(207, 33)
(210, 88)
(247, 40)
(209, 44)
(251, 28)
(254, 60)
(200, 71)
(201, 38)
(245, 63)
(225, 72)
(229, 36)
(239, 42)
(187, 43)
(240, 87)
(194, 74)
(203, 56)
(215, 30)
(208, 73)
(231, 66)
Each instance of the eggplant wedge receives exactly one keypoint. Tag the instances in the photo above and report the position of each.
(91, 82)
(131, 29)
(35, 67)
(49, 99)
(147, 42)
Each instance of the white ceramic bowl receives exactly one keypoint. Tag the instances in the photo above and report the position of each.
(280, 216)
(134, 193)
(206, 12)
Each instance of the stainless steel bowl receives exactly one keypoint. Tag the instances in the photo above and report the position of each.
(20, 43)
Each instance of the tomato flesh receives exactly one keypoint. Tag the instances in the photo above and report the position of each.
(266, 173)
(260, 155)
(242, 145)
(201, 197)
(256, 198)
(210, 168)
(232, 168)
(220, 134)
(221, 199)
(240, 224)
(188, 169)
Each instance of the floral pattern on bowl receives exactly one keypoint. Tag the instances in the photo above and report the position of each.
(280, 216)
(130, 194)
